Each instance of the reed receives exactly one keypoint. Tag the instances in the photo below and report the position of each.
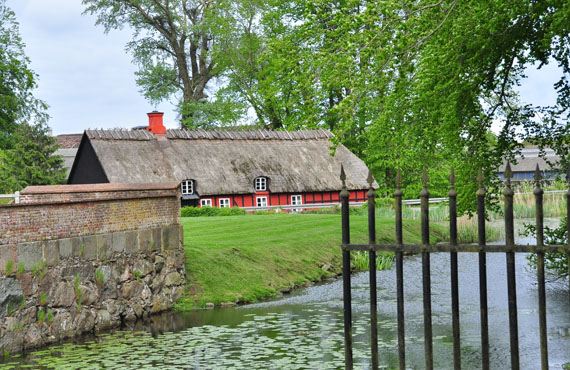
(361, 262)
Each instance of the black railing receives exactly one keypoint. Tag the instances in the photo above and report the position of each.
(425, 248)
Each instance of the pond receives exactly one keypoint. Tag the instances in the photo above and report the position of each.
(305, 329)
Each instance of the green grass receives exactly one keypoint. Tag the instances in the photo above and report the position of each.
(250, 258)
(5, 200)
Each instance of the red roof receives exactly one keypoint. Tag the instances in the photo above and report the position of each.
(69, 141)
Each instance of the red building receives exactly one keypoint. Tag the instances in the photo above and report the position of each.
(231, 168)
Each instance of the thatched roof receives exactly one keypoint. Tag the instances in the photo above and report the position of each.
(227, 162)
(529, 158)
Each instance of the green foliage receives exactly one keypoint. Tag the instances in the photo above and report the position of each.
(20, 268)
(40, 269)
(211, 211)
(8, 269)
(78, 292)
(26, 149)
(556, 262)
(361, 260)
(137, 274)
(10, 308)
(22, 303)
(31, 160)
(43, 299)
(99, 277)
(49, 317)
(41, 317)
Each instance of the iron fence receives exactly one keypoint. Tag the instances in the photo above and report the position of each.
(425, 248)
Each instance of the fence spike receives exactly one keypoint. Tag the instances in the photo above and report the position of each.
(537, 175)
(480, 177)
(425, 178)
(399, 179)
(508, 172)
(452, 178)
(342, 174)
(370, 178)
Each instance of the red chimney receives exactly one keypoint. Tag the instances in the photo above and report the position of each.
(155, 123)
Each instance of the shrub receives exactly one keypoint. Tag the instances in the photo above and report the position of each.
(556, 262)
(211, 211)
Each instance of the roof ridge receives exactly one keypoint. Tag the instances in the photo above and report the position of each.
(215, 134)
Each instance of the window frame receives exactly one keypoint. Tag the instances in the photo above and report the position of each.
(299, 197)
(188, 184)
(260, 183)
(257, 201)
(206, 202)
(228, 205)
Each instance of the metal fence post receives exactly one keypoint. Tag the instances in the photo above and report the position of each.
(372, 271)
(344, 195)
(483, 306)
(400, 274)
(426, 274)
(538, 195)
(511, 280)
(454, 273)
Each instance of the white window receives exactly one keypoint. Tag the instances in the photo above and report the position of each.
(224, 202)
(296, 200)
(205, 202)
(260, 184)
(261, 201)
(187, 187)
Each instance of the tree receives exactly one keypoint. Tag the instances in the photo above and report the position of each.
(180, 47)
(17, 104)
(413, 84)
(31, 160)
(26, 149)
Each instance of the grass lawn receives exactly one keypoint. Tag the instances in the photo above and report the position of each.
(250, 258)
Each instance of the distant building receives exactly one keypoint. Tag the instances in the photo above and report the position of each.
(526, 163)
(68, 145)
(223, 168)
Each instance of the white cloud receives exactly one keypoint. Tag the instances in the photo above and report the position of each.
(85, 75)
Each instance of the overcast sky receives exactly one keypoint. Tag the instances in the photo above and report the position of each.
(87, 78)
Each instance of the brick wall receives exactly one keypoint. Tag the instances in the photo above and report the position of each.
(65, 211)
(90, 256)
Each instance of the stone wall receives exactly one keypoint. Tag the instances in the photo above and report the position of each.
(85, 258)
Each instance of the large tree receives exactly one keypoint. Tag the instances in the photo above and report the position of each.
(26, 149)
(182, 48)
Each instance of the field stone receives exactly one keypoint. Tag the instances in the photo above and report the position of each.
(12, 342)
(132, 289)
(33, 337)
(160, 303)
(84, 321)
(62, 326)
(173, 279)
(30, 254)
(158, 263)
(210, 306)
(28, 284)
(143, 267)
(103, 320)
(64, 295)
(10, 295)
(88, 295)
(51, 252)
(65, 248)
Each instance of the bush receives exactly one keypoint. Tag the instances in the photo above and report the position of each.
(211, 211)
(556, 262)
